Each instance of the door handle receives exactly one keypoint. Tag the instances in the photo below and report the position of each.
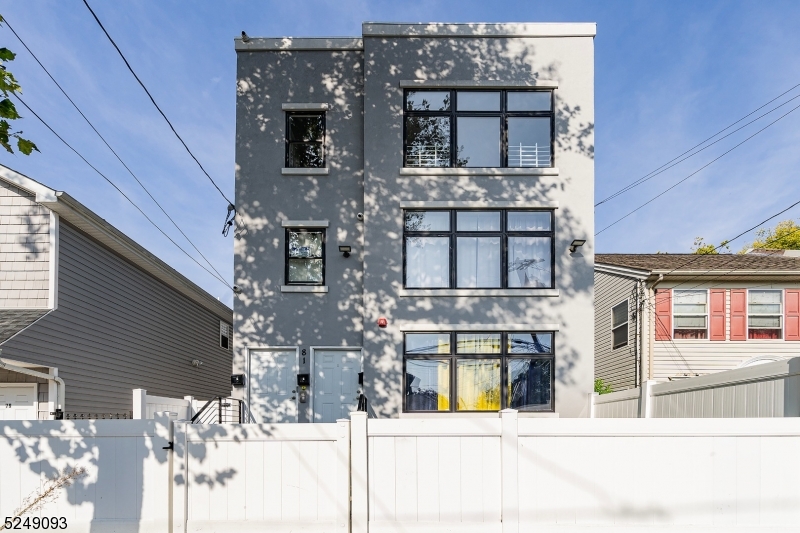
(293, 397)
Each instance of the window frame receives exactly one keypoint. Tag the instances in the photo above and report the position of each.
(452, 234)
(453, 357)
(707, 314)
(503, 114)
(287, 142)
(286, 256)
(228, 337)
(780, 315)
(626, 301)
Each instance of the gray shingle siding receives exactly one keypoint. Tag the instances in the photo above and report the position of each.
(117, 328)
(615, 367)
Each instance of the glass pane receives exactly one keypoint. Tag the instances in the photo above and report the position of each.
(764, 297)
(478, 262)
(529, 262)
(690, 333)
(764, 309)
(690, 321)
(305, 155)
(690, 308)
(427, 141)
(529, 220)
(530, 343)
(478, 221)
(619, 314)
(306, 128)
(764, 321)
(478, 101)
(427, 100)
(529, 142)
(305, 271)
(427, 343)
(305, 244)
(620, 336)
(478, 142)
(690, 297)
(529, 383)
(764, 334)
(529, 100)
(427, 385)
(427, 262)
(478, 383)
(478, 343)
(427, 220)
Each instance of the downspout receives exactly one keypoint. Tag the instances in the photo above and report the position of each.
(60, 386)
(650, 337)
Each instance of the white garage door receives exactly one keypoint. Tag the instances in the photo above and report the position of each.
(18, 401)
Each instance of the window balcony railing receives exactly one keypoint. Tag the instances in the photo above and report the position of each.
(534, 156)
(428, 155)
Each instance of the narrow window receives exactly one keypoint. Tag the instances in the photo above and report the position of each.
(690, 312)
(764, 314)
(305, 256)
(224, 335)
(305, 140)
(619, 325)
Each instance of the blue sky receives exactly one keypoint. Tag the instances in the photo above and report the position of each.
(668, 75)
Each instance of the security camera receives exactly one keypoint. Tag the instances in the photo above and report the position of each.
(196, 363)
(237, 289)
(360, 216)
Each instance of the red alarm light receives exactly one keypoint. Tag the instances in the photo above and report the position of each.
(382, 322)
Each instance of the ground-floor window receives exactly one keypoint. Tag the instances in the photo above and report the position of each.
(478, 371)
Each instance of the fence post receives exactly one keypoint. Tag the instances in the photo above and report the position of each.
(509, 451)
(139, 404)
(179, 479)
(592, 399)
(359, 472)
(190, 409)
(162, 466)
(343, 476)
(646, 399)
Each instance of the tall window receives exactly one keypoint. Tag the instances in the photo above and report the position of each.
(500, 128)
(469, 371)
(764, 314)
(690, 311)
(305, 140)
(619, 325)
(479, 249)
(305, 256)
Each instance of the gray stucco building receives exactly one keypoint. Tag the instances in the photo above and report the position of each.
(408, 203)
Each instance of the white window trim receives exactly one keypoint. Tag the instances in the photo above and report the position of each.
(229, 335)
(706, 314)
(627, 303)
(780, 315)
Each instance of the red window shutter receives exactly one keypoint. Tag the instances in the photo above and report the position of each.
(663, 314)
(717, 315)
(792, 315)
(738, 314)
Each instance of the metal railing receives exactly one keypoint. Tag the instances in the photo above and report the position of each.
(428, 155)
(519, 156)
(534, 156)
(219, 410)
(125, 415)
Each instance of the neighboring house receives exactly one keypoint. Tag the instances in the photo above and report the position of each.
(407, 201)
(671, 316)
(95, 314)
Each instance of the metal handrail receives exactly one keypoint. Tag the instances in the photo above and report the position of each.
(221, 404)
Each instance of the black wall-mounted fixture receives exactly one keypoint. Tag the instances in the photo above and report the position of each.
(345, 250)
(237, 380)
(303, 380)
(577, 243)
(360, 378)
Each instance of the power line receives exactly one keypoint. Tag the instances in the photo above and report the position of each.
(119, 190)
(110, 148)
(156, 105)
(680, 159)
(662, 193)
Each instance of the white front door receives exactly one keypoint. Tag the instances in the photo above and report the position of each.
(335, 383)
(18, 401)
(273, 378)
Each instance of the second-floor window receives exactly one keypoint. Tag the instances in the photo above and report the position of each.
(690, 311)
(454, 249)
(764, 313)
(305, 256)
(490, 128)
(305, 140)
(619, 325)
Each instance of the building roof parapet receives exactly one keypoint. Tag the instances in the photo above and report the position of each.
(479, 29)
(328, 44)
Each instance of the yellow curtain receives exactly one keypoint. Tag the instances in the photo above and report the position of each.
(478, 385)
(444, 386)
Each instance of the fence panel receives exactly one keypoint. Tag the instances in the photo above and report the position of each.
(623, 404)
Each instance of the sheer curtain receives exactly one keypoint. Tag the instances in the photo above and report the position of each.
(529, 262)
(427, 262)
(478, 384)
(478, 262)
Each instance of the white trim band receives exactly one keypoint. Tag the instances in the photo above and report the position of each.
(435, 293)
(304, 223)
(483, 84)
(293, 106)
(305, 171)
(416, 326)
(438, 204)
(455, 171)
(305, 288)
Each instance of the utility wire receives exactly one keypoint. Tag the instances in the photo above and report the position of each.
(680, 159)
(119, 190)
(110, 148)
(662, 193)
(155, 104)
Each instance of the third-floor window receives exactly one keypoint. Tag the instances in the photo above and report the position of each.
(491, 128)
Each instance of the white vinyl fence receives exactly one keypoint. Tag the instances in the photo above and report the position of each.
(766, 390)
(145, 406)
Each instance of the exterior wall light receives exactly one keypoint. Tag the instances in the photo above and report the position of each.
(345, 250)
(577, 243)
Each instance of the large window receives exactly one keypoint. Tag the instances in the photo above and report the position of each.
(449, 128)
(619, 325)
(478, 249)
(475, 371)
(690, 312)
(305, 140)
(764, 314)
(305, 256)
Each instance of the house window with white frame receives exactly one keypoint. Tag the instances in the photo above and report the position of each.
(690, 314)
(764, 314)
(619, 325)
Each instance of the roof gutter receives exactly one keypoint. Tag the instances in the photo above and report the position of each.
(60, 385)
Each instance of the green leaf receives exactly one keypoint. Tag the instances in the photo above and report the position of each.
(25, 146)
(7, 109)
(7, 55)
